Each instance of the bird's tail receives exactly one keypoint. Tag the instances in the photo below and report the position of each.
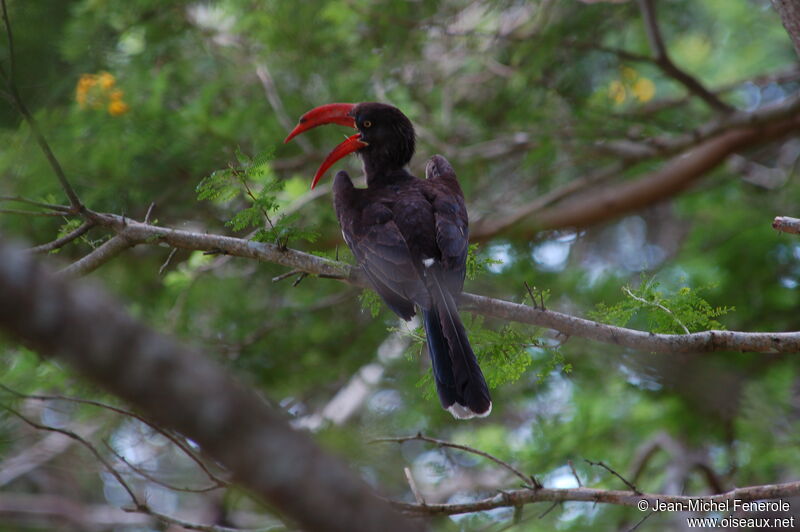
(459, 381)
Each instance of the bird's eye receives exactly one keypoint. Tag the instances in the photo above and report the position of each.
(367, 123)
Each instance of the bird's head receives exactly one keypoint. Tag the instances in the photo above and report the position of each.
(385, 138)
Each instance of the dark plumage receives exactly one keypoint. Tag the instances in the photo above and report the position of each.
(410, 236)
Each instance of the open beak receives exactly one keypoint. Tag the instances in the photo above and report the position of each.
(332, 113)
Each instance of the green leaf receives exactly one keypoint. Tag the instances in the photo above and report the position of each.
(371, 302)
(477, 265)
(219, 186)
(675, 312)
(245, 219)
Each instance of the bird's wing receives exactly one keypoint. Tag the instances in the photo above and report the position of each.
(452, 223)
(381, 249)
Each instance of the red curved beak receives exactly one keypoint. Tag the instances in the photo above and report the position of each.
(332, 113)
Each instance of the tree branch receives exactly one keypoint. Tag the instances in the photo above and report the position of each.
(517, 498)
(83, 441)
(595, 205)
(274, 99)
(526, 480)
(62, 511)
(58, 208)
(64, 240)
(167, 434)
(33, 456)
(110, 249)
(17, 101)
(184, 390)
(706, 341)
(665, 63)
(786, 224)
(789, 10)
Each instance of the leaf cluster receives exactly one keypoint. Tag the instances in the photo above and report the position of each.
(477, 264)
(253, 181)
(681, 311)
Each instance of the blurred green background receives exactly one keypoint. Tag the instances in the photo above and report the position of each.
(142, 99)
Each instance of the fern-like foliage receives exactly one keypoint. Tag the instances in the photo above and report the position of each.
(679, 312)
(253, 180)
(371, 302)
(477, 265)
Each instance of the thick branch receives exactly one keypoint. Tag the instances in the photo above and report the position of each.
(623, 498)
(185, 390)
(110, 249)
(706, 341)
(594, 206)
(786, 224)
(789, 10)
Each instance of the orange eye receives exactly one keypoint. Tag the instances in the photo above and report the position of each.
(367, 123)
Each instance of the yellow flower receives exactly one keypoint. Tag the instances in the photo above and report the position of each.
(97, 91)
(644, 89)
(87, 81)
(106, 80)
(85, 84)
(117, 108)
(616, 91)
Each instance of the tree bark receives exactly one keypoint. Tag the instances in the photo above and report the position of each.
(789, 10)
(183, 389)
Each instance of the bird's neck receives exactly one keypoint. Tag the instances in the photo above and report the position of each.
(382, 177)
(379, 173)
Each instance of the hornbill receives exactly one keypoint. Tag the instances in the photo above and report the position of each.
(410, 237)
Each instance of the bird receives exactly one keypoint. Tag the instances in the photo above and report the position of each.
(410, 236)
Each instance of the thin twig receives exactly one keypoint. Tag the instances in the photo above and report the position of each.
(149, 212)
(552, 506)
(642, 520)
(17, 101)
(610, 470)
(167, 434)
(29, 213)
(530, 293)
(274, 99)
(144, 474)
(665, 63)
(83, 442)
(10, 38)
(413, 485)
(656, 304)
(164, 266)
(286, 275)
(575, 473)
(64, 240)
(60, 208)
(443, 443)
(168, 519)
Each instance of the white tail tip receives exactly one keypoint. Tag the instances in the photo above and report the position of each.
(460, 411)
